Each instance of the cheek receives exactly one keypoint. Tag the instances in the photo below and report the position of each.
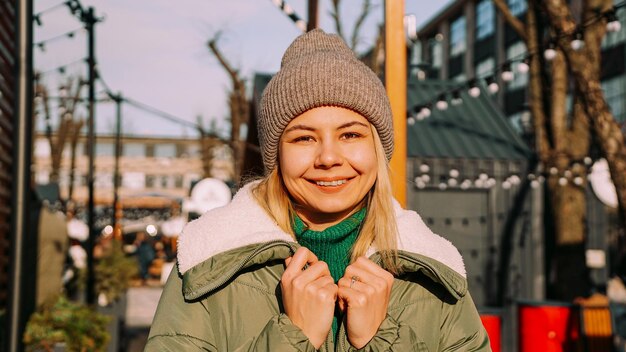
(292, 162)
(364, 161)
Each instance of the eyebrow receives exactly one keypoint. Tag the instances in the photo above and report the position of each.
(309, 128)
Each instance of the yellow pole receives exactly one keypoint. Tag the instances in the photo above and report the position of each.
(395, 81)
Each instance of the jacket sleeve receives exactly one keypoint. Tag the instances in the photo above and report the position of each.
(179, 325)
(391, 336)
(462, 330)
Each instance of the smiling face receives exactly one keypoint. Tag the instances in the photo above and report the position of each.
(327, 161)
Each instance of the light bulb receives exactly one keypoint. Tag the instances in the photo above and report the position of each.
(577, 44)
(474, 92)
(493, 87)
(411, 121)
(523, 67)
(442, 105)
(549, 54)
(425, 112)
(614, 26)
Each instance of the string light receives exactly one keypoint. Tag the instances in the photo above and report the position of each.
(550, 53)
(492, 85)
(523, 67)
(612, 22)
(578, 43)
(289, 11)
(507, 73)
(42, 44)
(520, 63)
(456, 98)
(442, 103)
(474, 90)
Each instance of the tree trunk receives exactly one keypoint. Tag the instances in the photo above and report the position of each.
(606, 130)
(74, 134)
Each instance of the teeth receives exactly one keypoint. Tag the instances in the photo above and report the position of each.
(331, 183)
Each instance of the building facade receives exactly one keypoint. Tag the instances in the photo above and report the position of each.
(470, 38)
(8, 55)
(147, 166)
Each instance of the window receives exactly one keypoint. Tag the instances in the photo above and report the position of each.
(460, 78)
(485, 19)
(134, 149)
(457, 36)
(517, 7)
(515, 52)
(485, 68)
(615, 95)
(193, 150)
(178, 181)
(615, 38)
(150, 181)
(105, 149)
(165, 151)
(435, 53)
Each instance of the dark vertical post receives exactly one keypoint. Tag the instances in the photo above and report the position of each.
(23, 279)
(312, 22)
(90, 20)
(116, 168)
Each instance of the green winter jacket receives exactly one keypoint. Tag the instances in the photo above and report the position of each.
(225, 295)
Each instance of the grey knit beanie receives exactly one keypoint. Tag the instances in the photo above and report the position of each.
(319, 69)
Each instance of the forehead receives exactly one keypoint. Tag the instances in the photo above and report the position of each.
(328, 117)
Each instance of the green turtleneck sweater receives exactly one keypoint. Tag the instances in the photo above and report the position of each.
(333, 246)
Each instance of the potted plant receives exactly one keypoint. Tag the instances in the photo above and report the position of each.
(69, 324)
(113, 273)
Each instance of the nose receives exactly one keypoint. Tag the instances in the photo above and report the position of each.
(329, 155)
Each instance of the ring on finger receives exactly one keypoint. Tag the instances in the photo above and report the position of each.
(354, 279)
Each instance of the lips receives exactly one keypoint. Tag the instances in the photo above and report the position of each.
(330, 182)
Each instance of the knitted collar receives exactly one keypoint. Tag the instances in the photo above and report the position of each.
(332, 234)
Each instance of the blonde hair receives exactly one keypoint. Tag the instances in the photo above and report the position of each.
(379, 229)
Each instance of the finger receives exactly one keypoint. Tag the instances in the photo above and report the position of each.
(356, 273)
(366, 264)
(351, 298)
(302, 257)
(287, 261)
(314, 272)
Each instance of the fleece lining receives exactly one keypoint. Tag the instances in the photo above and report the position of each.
(243, 222)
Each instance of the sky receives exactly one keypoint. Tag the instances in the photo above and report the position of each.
(154, 52)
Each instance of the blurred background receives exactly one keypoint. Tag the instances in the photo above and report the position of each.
(122, 121)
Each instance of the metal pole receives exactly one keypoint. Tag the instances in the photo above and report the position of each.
(395, 82)
(90, 20)
(116, 168)
(21, 307)
(313, 10)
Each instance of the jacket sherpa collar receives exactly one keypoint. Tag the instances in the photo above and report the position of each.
(243, 225)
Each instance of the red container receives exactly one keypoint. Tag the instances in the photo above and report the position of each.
(548, 327)
(493, 325)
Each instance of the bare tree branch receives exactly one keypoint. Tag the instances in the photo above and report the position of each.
(334, 13)
(365, 11)
(513, 21)
(234, 74)
(239, 107)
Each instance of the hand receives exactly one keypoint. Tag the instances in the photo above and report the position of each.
(364, 292)
(309, 295)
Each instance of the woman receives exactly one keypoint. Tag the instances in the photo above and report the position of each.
(317, 255)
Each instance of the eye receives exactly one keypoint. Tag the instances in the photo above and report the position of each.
(351, 135)
(302, 139)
